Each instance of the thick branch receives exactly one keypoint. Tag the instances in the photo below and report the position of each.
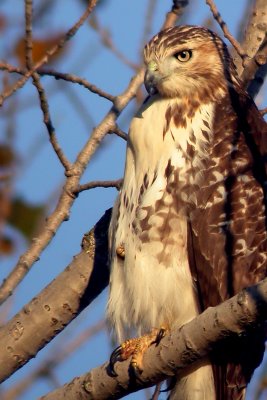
(48, 365)
(47, 314)
(177, 351)
(254, 43)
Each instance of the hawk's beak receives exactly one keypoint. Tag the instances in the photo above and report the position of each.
(151, 78)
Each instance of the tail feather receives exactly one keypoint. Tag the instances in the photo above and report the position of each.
(198, 384)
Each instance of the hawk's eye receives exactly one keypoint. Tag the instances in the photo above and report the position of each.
(183, 55)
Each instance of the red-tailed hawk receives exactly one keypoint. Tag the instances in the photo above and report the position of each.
(188, 230)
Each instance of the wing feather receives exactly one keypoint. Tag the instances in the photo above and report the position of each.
(228, 242)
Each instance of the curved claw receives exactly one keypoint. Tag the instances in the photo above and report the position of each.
(160, 335)
(115, 356)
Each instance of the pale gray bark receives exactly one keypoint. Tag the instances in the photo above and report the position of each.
(177, 351)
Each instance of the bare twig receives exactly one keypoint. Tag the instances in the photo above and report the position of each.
(60, 75)
(119, 133)
(67, 197)
(263, 111)
(175, 13)
(104, 184)
(177, 351)
(76, 79)
(157, 391)
(36, 81)
(20, 83)
(225, 30)
(62, 210)
(4, 66)
(28, 34)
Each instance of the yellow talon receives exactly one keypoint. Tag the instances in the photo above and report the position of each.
(136, 348)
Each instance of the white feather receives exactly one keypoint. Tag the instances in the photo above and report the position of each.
(144, 292)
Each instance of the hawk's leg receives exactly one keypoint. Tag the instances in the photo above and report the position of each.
(135, 348)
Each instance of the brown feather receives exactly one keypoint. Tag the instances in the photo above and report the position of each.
(228, 256)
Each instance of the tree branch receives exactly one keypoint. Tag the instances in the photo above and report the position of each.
(48, 365)
(71, 32)
(67, 197)
(60, 75)
(56, 306)
(226, 32)
(175, 13)
(104, 184)
(41, 92)
(177, 351)
(254, 44)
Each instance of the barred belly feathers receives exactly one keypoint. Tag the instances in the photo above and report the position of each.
(190, 216)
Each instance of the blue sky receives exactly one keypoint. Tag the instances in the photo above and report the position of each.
(74, 112)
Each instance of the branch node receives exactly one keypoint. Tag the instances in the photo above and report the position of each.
(87, 385)
(88, 243)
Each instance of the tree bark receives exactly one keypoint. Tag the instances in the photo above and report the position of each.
(55, 307)
(177, 351)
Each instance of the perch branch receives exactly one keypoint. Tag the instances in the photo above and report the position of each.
(176, 351)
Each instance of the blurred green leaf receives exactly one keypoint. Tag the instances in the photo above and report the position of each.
(25, 217)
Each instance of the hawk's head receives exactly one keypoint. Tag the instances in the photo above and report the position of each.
(187, 61)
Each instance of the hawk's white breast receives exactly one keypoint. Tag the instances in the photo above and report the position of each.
(153, 285)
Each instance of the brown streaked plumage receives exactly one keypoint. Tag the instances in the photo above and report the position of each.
(191, 215)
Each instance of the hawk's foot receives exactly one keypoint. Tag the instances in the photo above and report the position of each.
(135, 348)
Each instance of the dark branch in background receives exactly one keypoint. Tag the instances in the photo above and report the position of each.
(71, 32)
(177, 351)
(56, 306)
(36, 81)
